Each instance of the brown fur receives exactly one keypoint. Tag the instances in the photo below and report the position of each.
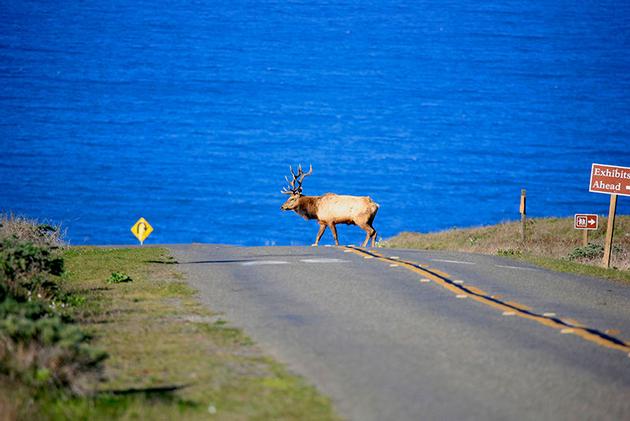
(307, 207)
(331, 209)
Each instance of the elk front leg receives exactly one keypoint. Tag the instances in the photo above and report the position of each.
(322, 228)
(333, 228)
(373, 237)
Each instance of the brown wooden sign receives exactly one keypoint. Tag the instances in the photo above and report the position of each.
(585, 221)
(613, 180)
(610, 179)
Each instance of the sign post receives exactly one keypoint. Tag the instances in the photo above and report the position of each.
(523, 212)
(584, 238)
(610, 227)
(613, 180)
(585, 222)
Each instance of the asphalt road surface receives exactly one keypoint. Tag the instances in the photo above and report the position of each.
(415, 335)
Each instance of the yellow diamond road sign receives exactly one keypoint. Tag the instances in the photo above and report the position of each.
(141, 229)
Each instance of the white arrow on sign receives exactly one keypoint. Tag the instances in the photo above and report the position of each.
(585, 221)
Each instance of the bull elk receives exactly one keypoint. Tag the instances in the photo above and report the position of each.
(330, 209)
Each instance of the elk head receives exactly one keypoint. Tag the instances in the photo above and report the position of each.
(294, 189)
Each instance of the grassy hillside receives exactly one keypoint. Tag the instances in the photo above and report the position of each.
(550, 242)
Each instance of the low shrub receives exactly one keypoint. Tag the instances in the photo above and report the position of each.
(37, 309)
(33, 310)
(509, 252)
(25, 270)
(590, 251)
(46, 352)
(18, 258)
(118, 278)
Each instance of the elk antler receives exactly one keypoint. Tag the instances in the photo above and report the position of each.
(299, 177)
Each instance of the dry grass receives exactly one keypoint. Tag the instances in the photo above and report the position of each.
(546, 238)
(31, 230)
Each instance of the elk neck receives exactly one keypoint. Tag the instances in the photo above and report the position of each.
(307, 207)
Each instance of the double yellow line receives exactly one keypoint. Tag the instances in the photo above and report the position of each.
(508, 307)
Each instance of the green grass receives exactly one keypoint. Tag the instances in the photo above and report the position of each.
(169, 356)
(563, 265)
(550, 242)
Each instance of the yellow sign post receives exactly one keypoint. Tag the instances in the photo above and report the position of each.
(141, 229)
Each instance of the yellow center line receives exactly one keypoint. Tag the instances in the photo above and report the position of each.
(571, 326)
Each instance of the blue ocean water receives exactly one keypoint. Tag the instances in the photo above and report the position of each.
(189, 113)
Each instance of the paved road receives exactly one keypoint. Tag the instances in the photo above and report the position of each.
(480, 338)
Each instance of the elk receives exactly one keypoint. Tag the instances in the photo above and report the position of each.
(330, 209)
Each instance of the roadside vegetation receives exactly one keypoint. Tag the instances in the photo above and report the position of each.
(550, 243)
(101, 333)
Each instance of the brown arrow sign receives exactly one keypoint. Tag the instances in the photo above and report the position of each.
(585, 221)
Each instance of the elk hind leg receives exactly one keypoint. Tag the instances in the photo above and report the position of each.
(369, 232)
(373, 236)
(322, 228)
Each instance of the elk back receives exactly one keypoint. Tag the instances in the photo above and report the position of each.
(340, 209)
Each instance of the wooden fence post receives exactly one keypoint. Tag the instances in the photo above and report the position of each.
(523, 213)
